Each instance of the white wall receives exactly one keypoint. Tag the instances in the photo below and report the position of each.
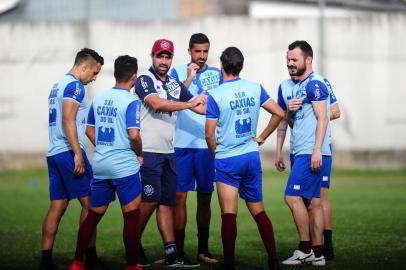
(365, 62)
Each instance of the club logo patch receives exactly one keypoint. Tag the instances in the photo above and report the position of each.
(165, 45)
(148, 190)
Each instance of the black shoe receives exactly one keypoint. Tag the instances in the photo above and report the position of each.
(48, 266)
(95, 264)
(329, 254)
(142, 258)
(273, 264)
(224, 266)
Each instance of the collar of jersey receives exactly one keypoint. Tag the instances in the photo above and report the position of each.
(119, 88)
(152, 70)
(307, 77)
(73, 76)
(233, 80)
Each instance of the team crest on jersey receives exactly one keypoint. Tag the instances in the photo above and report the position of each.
(148, 190)
(173, 89)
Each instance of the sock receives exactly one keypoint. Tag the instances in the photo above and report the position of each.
(180, 241)
(305, 246)
(131, 236)
(228, 236)
(328, 239)
(91, 254)
(318, 250)
(266, 230)
(203, 239)
(170, 252)
(46, 257)
(86, 230)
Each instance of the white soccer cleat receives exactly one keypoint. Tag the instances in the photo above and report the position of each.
(319, 261)
(300, 258)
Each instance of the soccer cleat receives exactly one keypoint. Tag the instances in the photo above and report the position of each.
(181, 263)
(95, 264)
(206, 257)
(319, 261)
(132, 267)
(77, 265)
(142, 258)
(299, 258)
(273, 264)
(50, 266)
(328, 254)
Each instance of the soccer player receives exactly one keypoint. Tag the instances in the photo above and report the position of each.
(284, 95)
(309, 110)
(195, 163)
(69, 170)
(113, 127)
(162, 97)
(231, 122)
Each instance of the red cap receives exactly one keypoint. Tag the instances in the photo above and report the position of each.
(162, 45)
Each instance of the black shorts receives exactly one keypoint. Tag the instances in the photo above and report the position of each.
(158, 177)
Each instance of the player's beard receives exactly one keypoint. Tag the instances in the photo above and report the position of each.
(296, 71)
(161, 69)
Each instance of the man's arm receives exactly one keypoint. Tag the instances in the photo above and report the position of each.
(159, 104)
(335, 112)
(277, 115)
(280, 139)
(69, 111)
(191, 73)
(90, 133)
(320, 111)
(210, 135)
(136, 143)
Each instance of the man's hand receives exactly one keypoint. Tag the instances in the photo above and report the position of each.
(191, 70)
(316, 161)
(279, 163)
(200, 99)
(294, 104)
(79, 169)
(260, 141)
(140, 160)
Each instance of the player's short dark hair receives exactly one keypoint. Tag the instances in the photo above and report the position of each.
(86, 53)
(303, 45)
(232, 60)
(198, 38)
(125, 66)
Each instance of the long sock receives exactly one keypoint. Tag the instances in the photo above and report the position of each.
(170, 251)
(86, 230)
(305, 246)
(46, 257)
(318, 250)
(91, 254)
(266, 230)
(228, 236)
(328, 239)
(180, 241)
(131, 235)
(203, 239)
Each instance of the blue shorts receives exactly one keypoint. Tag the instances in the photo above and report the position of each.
(326, 171)
(158, 177)
(243, 172)
(194, 163)
(103, 190)
(302, 180)
(292, 160)
(63, 184)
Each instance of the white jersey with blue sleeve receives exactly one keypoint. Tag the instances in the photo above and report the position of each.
(67, 87)
(189, 131)
(158, 127)
(312, 89)
(235, 105)
(285, 94)
(112, 113)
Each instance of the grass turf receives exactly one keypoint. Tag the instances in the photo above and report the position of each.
(369, 224)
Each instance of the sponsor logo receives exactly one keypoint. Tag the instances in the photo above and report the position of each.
(325, 178)
(296, 187)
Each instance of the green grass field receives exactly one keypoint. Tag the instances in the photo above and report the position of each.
(369, 224)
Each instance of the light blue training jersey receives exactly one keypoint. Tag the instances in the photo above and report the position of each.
(235, 105)
(112, 113)
(310, 90)
(189, 132)
(67, 87)
(285, 94)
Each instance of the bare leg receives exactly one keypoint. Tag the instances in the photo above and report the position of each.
(51, 222)
(300, 216)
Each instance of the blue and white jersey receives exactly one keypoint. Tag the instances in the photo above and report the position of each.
(189, 132)
(67, 87)
(112, 114)
(158, 127)
(312, 89)
(235, 105)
